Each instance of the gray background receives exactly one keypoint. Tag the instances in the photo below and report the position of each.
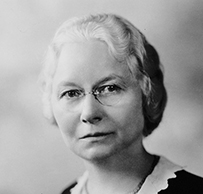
(33, 157)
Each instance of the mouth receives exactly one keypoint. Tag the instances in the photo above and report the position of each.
(97, 135)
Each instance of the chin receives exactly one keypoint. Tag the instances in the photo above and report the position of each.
(96, 154)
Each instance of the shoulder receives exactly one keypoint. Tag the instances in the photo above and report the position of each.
(185, 182)
(67, 190)
(77, 185)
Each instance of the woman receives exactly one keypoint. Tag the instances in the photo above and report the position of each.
(103, 87)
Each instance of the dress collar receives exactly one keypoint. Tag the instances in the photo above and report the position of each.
(155, 182)
(158, 179)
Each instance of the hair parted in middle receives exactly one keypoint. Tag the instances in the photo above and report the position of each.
(127, 45)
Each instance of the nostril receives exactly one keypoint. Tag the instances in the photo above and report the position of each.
(93, 120)
(84, 121)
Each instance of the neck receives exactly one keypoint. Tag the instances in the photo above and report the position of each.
(120, 173)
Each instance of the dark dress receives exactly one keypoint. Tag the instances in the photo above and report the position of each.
(184, 183)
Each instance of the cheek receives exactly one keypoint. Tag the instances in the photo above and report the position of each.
(67, 122)
(130, 117)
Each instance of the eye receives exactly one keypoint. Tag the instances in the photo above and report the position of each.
(72, 94)
(109, 89)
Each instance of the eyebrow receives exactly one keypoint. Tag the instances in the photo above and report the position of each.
(64, 84)
(111, 77)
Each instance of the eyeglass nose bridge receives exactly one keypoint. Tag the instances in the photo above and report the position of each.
(95, 94)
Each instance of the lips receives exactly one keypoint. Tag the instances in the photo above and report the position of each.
(97, 134)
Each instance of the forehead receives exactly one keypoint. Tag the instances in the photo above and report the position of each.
(84, 61)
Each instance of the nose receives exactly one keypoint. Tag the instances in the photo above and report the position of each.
(91, 110)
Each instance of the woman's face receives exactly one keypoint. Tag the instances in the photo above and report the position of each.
(93, 130)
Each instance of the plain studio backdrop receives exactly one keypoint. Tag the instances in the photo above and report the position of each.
(33, 157)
